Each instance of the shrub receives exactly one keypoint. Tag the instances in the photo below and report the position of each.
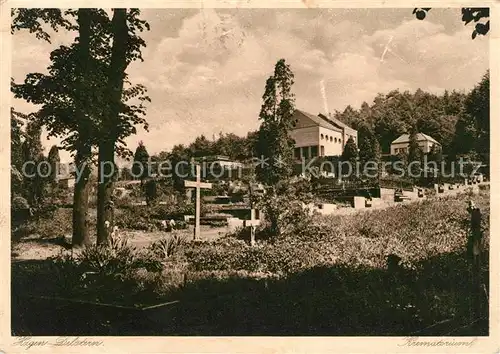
(413, 231)
(19, 203)
(109, 267)
(166, 247)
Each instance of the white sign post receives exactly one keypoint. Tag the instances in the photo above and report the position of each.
(198, 185)
(252, 223)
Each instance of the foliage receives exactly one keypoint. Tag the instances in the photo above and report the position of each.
(274, 141)
(469, 14)
(140, 167)
(369, 148)
(19, 203)
(54, 160)
(151, 191)
(167, 247)
(350, 155)
(412, 231)
(49, 226)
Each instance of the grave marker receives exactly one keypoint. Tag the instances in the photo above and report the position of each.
(474, 251)
(252, 223)
(198, 185)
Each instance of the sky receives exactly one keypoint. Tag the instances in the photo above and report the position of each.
(205, 70)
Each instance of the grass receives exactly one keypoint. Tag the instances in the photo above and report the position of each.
(329, 280)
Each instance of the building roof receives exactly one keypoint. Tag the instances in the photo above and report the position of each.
(405, 138)
(319, 120)
(332, 120)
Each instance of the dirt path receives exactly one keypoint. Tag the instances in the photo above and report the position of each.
(34, 248)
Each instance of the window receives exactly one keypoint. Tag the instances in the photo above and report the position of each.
(331, 139)
(322, 136)
(396, 150)
(297, 153)
(305, 152)
(314, 151)
(322, 150)
(326, 136)
(335, 139)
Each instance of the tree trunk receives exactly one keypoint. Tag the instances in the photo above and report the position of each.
(84, 151)
(110, 122)
(81, 198)
(105, 214)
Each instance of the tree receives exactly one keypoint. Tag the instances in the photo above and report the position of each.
(75, 88)
(201, 147)
(32, 156)
(140, 167)
(349, 155)
(69, 65)
(274, 146)
(151, 191)
(274, 142)
(415, 153)
(477, 106)
(369, 148)
(118, 120)
(472, 129)
(178, 156)
(469, 14)
(54, 161)
(435, 154)
(16, 136)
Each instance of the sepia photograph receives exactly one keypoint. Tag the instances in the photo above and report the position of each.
(249, 172)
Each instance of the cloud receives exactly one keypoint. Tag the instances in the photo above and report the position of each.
(206, 70)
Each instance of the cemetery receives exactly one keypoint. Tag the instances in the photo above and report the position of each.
(243, 235)
(182, 267)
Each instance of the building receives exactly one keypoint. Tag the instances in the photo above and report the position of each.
(319, 135)
(220, 161)
(400, 145)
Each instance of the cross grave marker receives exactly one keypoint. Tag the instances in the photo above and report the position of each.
(198, 185)
(252, 223)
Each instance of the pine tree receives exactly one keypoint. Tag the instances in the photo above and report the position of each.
(350, 155)
(32, 154)
(151, 191)
(141, 162)
(177, 156)
(274, 146)
(369, 149)
(415, 154)
(274, 142)
(54, 160)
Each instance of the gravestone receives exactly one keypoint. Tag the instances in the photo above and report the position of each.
(234, 224)
(252, 223)
(197, 185)
(358, 202)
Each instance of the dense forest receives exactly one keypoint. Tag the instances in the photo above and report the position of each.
(459, 121)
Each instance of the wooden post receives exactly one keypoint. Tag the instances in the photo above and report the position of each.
(252, 223)
(474, 251)
(198, 185)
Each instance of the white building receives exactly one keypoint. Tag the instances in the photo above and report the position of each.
(401, 144)
(220, 161)
(318, 135)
